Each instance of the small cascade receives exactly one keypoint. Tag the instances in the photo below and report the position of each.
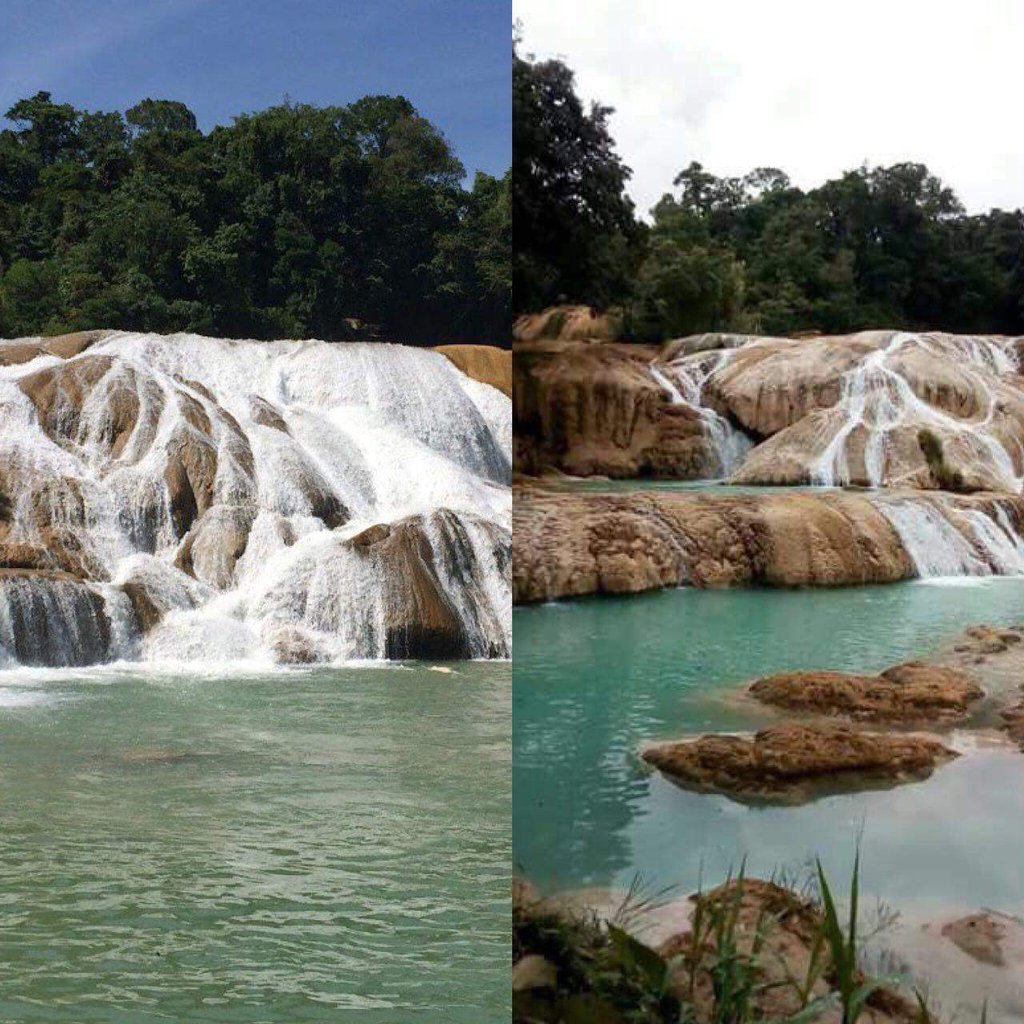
(197, 499)
(685, 386)
(955, 541)
(876, 398)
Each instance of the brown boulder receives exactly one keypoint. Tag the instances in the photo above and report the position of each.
(779, 931)
(793, 762)
(485, 363)
(915, 691)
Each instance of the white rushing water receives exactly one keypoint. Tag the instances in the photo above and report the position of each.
(944, 540)
(264, 501)
(684, 381)
(876, 397)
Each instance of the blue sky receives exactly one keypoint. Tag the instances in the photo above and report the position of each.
(451, 58)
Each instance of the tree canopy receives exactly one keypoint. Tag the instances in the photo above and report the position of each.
(875, 247)
(296, 221)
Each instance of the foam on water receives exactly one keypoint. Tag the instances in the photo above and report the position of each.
(302, 446)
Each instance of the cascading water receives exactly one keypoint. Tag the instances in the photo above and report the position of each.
(945, 541)
(186, 498)
(728, 445)
(877, 398)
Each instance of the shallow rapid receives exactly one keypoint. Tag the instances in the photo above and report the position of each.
(185, 499)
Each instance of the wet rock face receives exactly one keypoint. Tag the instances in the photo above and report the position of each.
(916, 691)
(145, 477)
(570, 544)
(595, 409)
(878, 408)
(51, 619)
(794, 762)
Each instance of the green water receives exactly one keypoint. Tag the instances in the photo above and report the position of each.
(308, 846)
(595, 678)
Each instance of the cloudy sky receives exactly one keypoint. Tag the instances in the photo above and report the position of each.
(806, 85)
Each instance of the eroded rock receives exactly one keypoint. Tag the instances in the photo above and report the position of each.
(915, 691)
(794, 762)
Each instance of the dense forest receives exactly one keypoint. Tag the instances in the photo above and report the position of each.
(876, 247)
(297, 221)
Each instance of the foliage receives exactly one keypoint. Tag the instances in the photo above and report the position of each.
(605, 976)
(876, 247)
(293, 221)
(575, 230)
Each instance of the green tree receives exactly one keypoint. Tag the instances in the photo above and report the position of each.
(575, 231)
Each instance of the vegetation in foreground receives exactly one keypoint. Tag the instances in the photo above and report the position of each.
(296, 221)
(755, 953)
(878, 246)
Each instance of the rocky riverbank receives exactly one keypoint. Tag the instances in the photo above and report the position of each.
(572, 543)
(877, 408)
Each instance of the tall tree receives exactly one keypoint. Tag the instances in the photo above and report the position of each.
(574, 225)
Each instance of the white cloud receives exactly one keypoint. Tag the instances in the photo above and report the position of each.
(806, 85)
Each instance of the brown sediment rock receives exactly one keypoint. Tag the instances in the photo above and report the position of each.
(294, 646)
(979, 935)
(147, 612)
(778, 929)
(595, 409)
(420, 619)
(569, 323)
(485, 363)
(568, 544)
(15, 351)
(914, 691)
(266, 415)
(794, 762)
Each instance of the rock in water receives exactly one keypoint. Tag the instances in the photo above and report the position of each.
(915, 691)
(179, 497)
(794, 762)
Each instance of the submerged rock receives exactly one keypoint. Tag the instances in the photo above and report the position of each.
(794, 762)
(915, 691)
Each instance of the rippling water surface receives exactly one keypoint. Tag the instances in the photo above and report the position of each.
(308, 846)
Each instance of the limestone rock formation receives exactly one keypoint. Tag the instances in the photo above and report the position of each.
(484, 363)
(794, 762)
(596, 409)
(569, 543)
(198, 498)
(915, 691)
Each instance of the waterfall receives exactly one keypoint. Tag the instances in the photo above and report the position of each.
(876, 397)
(943, 540)
(727, 444)
(196, 499)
